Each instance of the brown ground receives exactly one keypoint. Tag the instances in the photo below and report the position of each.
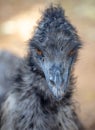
(17, 19)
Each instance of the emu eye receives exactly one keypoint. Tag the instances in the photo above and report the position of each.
(39, 52)
(72, 52)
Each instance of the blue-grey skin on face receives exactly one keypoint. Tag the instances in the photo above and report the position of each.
(57, 76)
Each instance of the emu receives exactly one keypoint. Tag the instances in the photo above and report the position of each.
(41, 96)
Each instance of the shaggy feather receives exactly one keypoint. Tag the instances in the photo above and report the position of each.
(9, 63)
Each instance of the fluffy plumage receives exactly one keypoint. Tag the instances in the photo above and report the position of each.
(41, 98)
(9, 64)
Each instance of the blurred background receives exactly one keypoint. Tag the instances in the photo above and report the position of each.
(17, 21)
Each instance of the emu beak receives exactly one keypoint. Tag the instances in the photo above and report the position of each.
(56, 82)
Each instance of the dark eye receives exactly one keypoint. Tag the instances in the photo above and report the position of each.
(72, 52)
(39, 52)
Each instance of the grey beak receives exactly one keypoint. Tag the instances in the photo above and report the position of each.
(56, 82)
(55, 79)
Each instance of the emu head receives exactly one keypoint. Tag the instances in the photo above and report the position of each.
(53, 49)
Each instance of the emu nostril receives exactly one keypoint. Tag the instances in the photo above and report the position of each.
(52, 82)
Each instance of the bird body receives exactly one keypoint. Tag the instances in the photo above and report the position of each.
(9, 63)
(30, 109)
(41, 98)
